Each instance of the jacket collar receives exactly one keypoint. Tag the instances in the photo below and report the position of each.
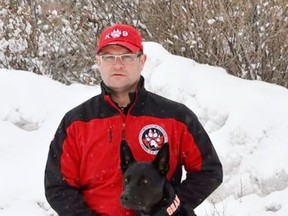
(106, 92)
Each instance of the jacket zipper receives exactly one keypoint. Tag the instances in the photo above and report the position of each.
(123, 128)
(110, 134)
(123, 124)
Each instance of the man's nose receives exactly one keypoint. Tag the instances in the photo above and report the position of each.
(118, 62)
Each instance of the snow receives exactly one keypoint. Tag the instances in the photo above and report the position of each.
(246, 120)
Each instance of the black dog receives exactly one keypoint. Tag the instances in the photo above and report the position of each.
(146, 189)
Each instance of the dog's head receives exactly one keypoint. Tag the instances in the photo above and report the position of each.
(143, 181)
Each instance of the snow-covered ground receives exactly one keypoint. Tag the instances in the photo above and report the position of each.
(246, 120)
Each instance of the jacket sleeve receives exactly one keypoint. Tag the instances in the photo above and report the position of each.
(200, 182)
(64, 198)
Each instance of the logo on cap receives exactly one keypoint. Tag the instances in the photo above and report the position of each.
(116, 33)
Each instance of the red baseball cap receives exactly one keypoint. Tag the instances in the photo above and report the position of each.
(120, 34)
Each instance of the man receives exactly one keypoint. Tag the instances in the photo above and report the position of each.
(83, 175)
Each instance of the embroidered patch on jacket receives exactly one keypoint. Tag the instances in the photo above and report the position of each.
(152, 137)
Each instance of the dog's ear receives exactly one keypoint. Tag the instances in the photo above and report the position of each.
(126, 156)
(161, 161)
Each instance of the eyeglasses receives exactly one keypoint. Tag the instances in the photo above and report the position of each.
(125, 58)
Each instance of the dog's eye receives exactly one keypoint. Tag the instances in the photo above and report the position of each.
(144, 181)
(126, 179)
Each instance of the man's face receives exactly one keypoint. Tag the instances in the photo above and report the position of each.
(120, 75)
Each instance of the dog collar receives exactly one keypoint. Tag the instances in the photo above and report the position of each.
(171, 209)
(174, 206)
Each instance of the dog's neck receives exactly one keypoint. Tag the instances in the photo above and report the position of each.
(167, 205)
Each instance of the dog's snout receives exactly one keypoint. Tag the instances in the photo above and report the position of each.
(128, 200)
(124, 197)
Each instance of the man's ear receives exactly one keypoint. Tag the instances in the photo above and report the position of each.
(126, 156)
(161, 161)
(143, 60)
(97, 59)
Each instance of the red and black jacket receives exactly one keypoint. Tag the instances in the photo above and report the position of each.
(83, 175)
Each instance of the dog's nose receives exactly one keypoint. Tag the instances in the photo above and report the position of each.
(124, 197)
